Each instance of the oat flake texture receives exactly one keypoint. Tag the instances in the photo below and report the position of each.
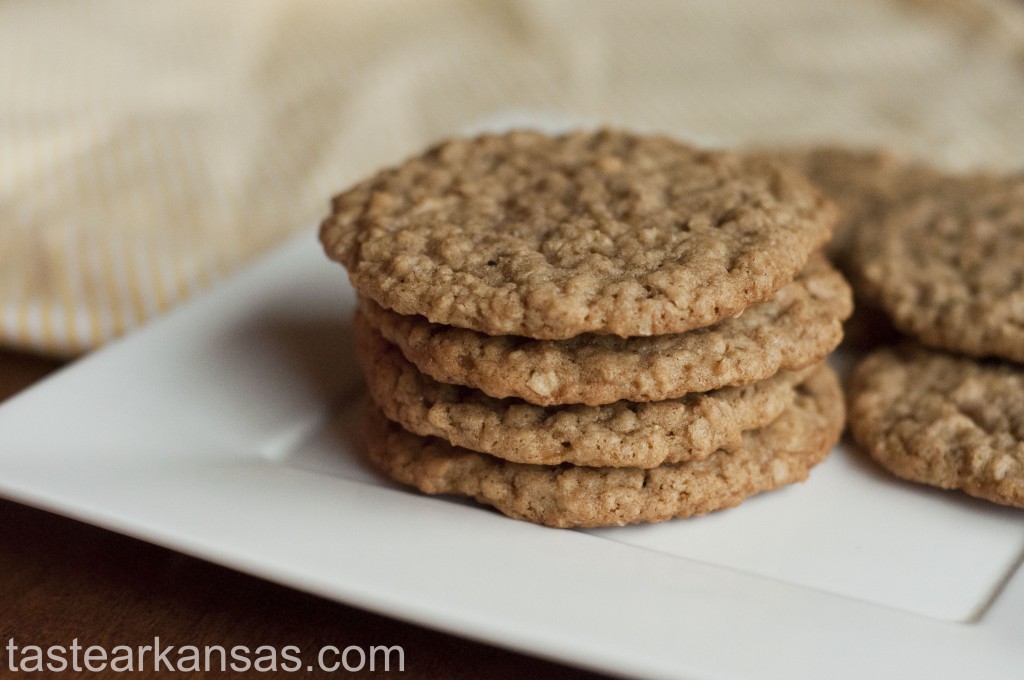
(943, 420)
(571, 496)
(623, 434)
(948, 267)
(795, 329)
(602, 232)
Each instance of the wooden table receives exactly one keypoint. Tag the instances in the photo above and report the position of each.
(61, 579)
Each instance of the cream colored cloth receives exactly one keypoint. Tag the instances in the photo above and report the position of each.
(148, 149)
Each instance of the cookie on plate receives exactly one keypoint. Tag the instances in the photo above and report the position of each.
(951, 422)
(796, 329)
(948, 266)
(572, 496)
(588, 232)
(623, 434)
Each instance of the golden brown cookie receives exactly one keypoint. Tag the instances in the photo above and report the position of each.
(590, 232)
(943, 420)
(623, 434)
(797, 328)
(948, 267)
(570, 496)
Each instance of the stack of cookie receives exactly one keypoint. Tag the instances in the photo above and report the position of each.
(596, 328)
(945, 263)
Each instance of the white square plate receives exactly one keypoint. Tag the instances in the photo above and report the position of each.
(226, 430)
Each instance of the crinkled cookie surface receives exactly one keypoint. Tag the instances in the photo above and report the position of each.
(589, 232)
(943, 420)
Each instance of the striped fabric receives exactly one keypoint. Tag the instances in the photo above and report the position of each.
(147, 149)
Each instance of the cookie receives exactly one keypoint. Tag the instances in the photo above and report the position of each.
(863, 183)
(570, 496)
(947, 421)
(797, 328)
(589, 232)
(948, 267)
(618, 435)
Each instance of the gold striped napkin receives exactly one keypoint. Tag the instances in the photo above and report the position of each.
(149, 149)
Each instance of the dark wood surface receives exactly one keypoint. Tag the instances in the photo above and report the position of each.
(61, 579)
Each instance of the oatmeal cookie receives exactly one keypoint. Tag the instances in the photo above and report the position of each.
(603, 232)
(623, 434)
(943, 420)
(948, 267)
(571, 496)
(797, 328)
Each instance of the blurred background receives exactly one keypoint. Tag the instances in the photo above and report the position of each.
(149, 149)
